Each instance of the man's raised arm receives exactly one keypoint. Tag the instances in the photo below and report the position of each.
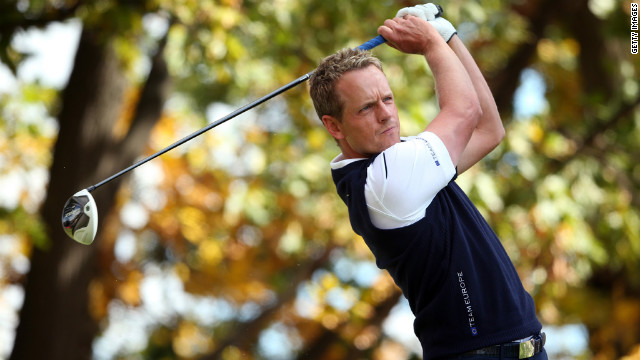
(459, 105)
(489, 131)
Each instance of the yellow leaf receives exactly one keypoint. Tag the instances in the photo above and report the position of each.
(129, 292)
(329, 281)
(191, 341)
(210, 253)
(193, 224)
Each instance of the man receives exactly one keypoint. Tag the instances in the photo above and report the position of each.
(402, 199)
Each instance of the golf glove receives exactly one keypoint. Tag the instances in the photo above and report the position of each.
(433, 14)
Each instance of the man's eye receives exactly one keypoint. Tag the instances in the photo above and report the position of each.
(388, 99)
(367, 107)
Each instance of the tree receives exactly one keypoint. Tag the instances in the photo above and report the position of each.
(56, 297)
(245, 218)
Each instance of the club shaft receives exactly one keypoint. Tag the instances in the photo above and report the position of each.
(366, 46)
(205, 129)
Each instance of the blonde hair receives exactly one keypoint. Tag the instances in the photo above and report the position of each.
(322, 82)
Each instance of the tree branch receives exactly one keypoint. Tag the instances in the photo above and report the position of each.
(247, 334)
(505, 82)
(589, 142)
(11, 19)
(318, 347)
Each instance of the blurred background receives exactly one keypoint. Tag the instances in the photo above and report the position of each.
(235, 245)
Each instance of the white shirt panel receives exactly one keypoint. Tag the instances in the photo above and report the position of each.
(405, 178)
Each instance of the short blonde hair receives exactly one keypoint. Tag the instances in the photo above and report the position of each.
(322, 82)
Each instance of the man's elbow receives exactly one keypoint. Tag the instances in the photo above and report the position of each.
(474, 113)
(470, 114)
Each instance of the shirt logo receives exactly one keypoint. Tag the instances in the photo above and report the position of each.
(431, 151)
(466, 298)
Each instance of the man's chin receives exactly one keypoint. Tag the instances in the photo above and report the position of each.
(392, 142)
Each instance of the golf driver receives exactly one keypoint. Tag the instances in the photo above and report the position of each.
(80, 213)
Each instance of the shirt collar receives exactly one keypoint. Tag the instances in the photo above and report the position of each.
(339, 162)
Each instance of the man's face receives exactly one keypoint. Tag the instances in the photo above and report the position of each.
(369, 119)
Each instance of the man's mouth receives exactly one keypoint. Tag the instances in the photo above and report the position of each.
(388, 130)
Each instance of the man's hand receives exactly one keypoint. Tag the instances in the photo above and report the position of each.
(410, 35)
(433, 14)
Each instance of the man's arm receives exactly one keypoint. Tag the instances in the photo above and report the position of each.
(459, 104)
(489, 131)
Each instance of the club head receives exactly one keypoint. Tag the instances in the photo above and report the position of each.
(80, 217)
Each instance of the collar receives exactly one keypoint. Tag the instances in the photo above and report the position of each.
(339, 161)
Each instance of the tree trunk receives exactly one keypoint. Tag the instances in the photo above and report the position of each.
(55, 322)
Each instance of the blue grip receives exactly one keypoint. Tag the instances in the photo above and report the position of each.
(372, 43)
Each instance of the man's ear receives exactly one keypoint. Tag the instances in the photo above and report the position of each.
(333, 125)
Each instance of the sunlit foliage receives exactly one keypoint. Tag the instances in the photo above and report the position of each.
(235, 245)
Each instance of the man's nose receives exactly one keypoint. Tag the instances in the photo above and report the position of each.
(384, 111)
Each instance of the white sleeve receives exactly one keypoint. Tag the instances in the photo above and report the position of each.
(405, 178)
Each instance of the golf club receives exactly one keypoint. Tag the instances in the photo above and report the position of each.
(80, 213)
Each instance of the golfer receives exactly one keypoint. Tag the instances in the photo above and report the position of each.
(402, 198)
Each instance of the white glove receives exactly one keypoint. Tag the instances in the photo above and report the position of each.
(433, 14)
(426, 12)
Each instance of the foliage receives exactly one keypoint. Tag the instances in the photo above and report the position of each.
(235, 245)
